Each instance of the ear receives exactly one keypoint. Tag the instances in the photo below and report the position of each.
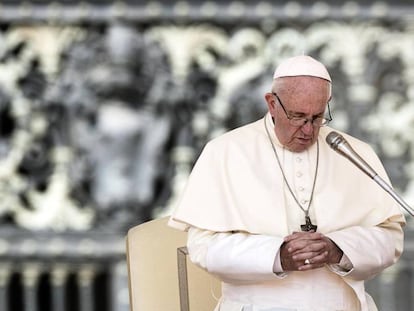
(271, 103)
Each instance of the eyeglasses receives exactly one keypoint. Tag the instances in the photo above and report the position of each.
(299, 121)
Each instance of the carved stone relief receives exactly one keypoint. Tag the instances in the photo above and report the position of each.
(100, 126)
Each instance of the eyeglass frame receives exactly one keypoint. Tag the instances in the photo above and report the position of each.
(325, 121)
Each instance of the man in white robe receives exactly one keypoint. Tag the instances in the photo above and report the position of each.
(284, 221)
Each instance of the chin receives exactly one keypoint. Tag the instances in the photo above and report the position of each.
(299, 147)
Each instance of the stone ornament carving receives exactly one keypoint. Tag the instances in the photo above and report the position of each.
(100, 127)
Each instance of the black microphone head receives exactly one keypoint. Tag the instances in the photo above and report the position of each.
(334, 139)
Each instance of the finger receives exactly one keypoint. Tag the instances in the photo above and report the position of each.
(301, 242)
(315, 262)
(303, 246)
(318, 260)
(321, 258)
(309, 266)
(314, 247)
(303, 235)
(314, 257)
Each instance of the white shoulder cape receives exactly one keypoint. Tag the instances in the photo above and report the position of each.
(236, 185)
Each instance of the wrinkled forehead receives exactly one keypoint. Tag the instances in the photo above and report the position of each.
(302, 85)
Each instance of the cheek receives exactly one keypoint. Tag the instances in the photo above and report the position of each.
(284, 130)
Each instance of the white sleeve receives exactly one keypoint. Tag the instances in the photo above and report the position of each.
(370, 249)
(344, 267)
(234, 257)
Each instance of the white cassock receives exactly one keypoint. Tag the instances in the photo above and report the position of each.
(239, 210)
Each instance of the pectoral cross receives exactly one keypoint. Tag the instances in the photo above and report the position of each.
(308, 226)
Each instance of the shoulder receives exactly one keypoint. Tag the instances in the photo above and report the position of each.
(361, 148)
(240, 136)
(241, 143)
(354, 142)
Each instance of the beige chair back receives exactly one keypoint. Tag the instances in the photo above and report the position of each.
(156, 282)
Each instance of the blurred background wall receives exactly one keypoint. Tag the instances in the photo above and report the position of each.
(105, 105)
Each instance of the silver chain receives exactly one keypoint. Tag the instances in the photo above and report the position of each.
(306, 211)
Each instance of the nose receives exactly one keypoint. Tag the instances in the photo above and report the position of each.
(307, 128)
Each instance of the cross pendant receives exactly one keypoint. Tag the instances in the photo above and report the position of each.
(308, 226)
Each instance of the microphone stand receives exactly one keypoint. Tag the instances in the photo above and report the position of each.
(394, 194)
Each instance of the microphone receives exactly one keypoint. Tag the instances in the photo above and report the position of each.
(338, 143)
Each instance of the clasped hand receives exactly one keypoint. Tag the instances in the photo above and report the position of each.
(303, 251)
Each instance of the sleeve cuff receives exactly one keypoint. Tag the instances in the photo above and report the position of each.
(277, 267)
(342, 268)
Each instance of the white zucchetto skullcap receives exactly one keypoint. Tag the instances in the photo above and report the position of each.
(302, 65)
